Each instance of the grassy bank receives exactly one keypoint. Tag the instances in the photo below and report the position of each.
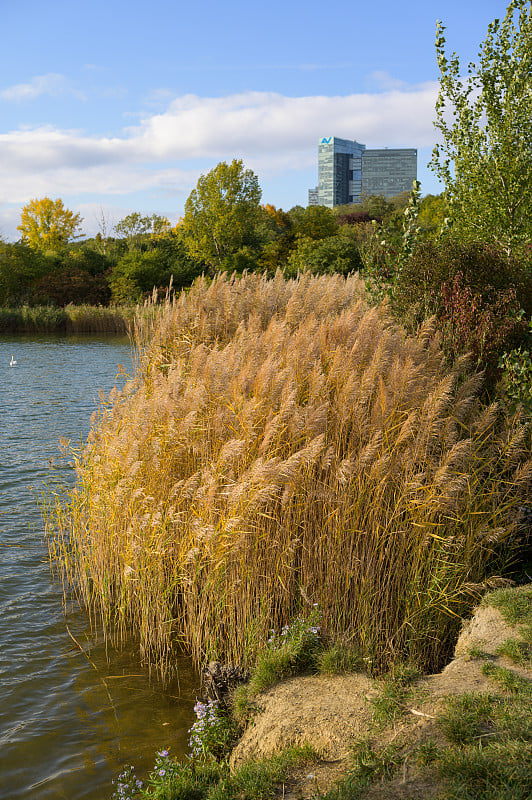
(70, 319)
(463, 738)
(285, 444)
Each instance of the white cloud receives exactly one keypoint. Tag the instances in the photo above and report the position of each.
(164, 153)
(52, 84)
(254, 123)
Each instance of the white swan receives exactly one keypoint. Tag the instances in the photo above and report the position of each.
(12, 362)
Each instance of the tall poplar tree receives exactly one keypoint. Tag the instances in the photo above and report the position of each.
(485, 120)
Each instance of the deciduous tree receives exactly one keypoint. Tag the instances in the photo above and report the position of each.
(221, 213)
(46, 224)
(20, 267)
(485, 119)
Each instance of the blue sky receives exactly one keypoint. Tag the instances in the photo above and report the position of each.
(119, 106)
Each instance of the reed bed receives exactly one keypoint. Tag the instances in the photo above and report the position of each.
(99, 319)
(70, 319)
(284, 444)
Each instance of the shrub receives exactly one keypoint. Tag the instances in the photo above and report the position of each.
(71, 285)
(516, 368)
(485, 324)
(357, 217)
(483, 268)
(476, 293)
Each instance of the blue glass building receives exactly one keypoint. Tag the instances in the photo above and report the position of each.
(347, 171)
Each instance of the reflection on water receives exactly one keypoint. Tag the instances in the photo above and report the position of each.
(72, 711)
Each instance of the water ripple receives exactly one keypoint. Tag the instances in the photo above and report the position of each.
(66, 728)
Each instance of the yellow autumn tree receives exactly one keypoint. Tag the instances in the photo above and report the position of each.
(46, 224)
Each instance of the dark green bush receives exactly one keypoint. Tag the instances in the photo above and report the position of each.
(485, 270)
(70, 285)
(479, 296)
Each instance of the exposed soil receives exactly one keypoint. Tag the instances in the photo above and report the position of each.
(325, 712)
(329, 712)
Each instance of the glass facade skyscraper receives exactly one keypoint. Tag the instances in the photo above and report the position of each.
(339, 171)
(346, 171)
(388, 172)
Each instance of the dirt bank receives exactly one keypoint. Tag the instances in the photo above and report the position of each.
(330, 712)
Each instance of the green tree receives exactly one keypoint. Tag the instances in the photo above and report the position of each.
(163, 260)
(135, 228)
(433, 212)
(137, 273)
(485, 158)
(315, 222)
(328, 255)
(20, 267)
(221, 213)
(47, 225)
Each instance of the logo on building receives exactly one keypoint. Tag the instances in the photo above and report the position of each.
(326, 140)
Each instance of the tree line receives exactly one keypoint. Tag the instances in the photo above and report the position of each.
(225, 227)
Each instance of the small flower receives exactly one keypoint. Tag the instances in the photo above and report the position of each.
(162, 773)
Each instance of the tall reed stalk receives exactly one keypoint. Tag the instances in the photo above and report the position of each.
(283, 443)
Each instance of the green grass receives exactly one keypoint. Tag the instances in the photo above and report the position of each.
(508, 680)
(260, 779)
(515, 606)
(492, 732)
(518, 651)
(492, 736)
(293, 651)
(469, 717)
(197, 780)
(369, 764)
(395, 689)
(501, 771)
(482, 743)
(340, 658)
(298, 649)
(487, 754)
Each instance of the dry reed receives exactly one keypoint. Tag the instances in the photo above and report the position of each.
(284, 443)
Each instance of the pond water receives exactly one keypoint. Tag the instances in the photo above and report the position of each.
(71, 715)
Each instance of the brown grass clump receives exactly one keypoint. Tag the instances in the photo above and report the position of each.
(284, 443)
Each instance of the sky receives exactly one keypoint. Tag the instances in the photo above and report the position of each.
(118, 106)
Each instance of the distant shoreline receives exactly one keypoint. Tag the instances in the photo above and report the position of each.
(70, 319)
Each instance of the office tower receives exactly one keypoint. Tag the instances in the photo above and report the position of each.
(347, 171)
(388, 172)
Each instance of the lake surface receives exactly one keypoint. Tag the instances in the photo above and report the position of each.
(70, 718)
